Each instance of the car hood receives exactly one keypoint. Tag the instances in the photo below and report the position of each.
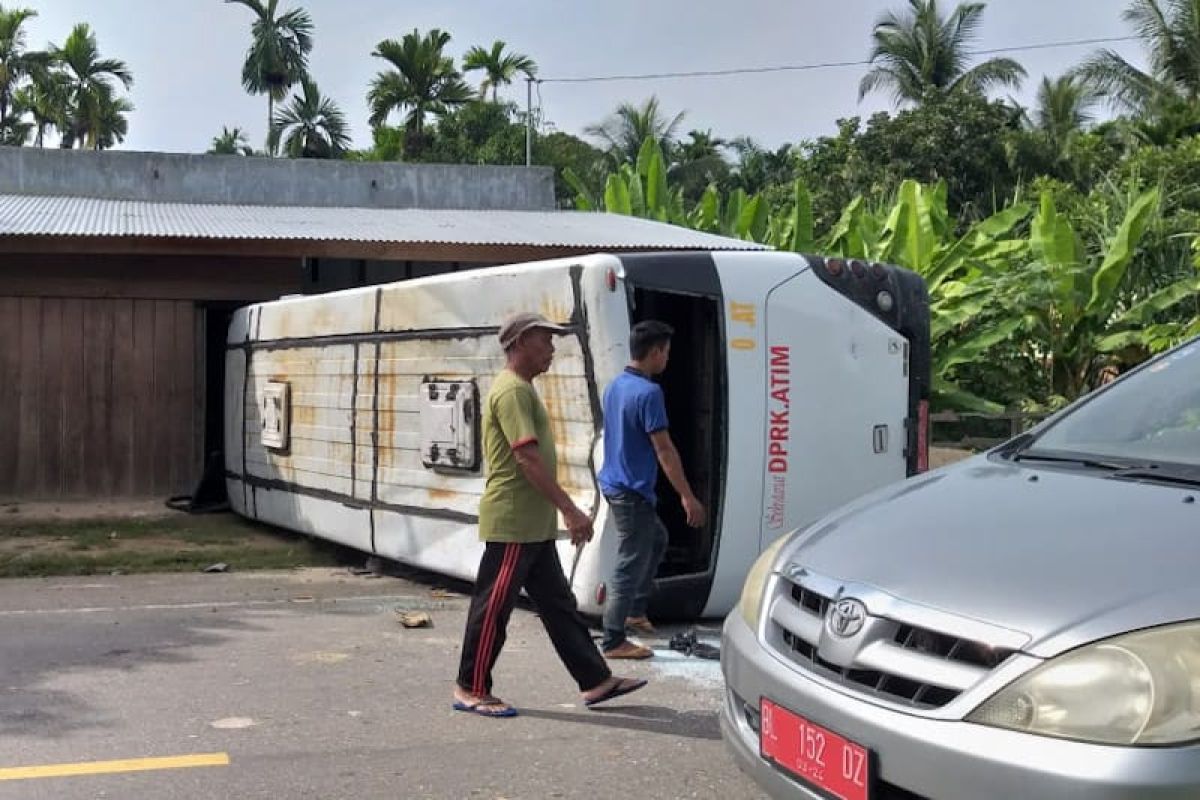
(1062, 556)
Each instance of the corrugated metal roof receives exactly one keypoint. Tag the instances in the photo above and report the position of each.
(31, 215)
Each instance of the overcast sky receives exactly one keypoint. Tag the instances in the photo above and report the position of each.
(186, 55)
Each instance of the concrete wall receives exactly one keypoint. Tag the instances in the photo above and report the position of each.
(170, 177)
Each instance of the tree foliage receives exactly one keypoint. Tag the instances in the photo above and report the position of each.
(421, 81)
(278, 56)
(310, 126)
(920, 54)
(499, 67)
(1030, 305)
(231, 142)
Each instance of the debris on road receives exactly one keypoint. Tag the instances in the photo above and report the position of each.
(414, 619)
(221, 567)
(689, 645)
(233, 723)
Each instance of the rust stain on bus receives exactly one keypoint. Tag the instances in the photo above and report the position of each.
(303, 319)
(387, 414)
(303, 414)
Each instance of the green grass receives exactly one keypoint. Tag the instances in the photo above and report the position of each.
(181, 543)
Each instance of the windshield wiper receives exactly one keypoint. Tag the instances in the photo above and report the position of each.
(1158, 474)
(1016, 445)
(1148, 471)
(1089, 462)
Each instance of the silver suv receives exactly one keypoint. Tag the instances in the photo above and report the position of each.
(1025, 623)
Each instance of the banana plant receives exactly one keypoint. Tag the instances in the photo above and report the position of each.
(638, 189)
(641, 190)
(918, 233)
(1134, 328)
(585, 199)
(706, 216)
(1076, 306)
(793, 231)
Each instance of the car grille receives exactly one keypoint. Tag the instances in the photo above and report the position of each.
(913, 666)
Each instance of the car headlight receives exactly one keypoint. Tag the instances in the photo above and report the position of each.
(1138, 689)
(756, 583)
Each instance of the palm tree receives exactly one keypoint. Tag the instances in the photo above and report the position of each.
(311, 126)
(1172, 119)
(699, 163)
(231, 142)
(89, 82)
(920, 53)
(423, 81)
(106, 122)
(16, 63)
(623, 133)
(1170, 32)
(1064, 107)
(278, 55)
(47, 101)
(701, 145)
(759, 167)
(14, 131)
(499, 67)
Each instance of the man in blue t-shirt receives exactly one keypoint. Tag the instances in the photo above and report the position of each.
(636, 441)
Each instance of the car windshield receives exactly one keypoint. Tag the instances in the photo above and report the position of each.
(1151, 417)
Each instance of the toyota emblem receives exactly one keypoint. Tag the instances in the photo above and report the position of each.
(846, 618)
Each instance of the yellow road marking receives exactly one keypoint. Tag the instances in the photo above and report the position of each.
(110, 767)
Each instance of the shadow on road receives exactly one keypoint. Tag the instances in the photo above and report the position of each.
(647, 719)
(58, 644)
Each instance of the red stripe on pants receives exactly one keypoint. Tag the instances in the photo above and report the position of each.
(487, 636)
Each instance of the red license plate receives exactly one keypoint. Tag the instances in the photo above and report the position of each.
(815, 754)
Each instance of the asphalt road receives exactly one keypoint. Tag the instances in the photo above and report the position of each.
(304, 685)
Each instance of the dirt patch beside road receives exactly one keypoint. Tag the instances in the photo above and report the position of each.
(17, 511)
(63, 544)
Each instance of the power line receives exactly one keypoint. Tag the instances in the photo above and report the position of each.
(708, 73)
(712, 73)
(1052, 45)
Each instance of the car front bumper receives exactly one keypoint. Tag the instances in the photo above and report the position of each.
(919, 757)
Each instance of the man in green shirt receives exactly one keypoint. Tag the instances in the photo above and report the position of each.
(518, 522)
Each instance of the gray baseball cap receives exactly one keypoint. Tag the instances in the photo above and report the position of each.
(517, 324)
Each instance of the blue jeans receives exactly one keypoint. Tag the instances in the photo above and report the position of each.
(641, 543)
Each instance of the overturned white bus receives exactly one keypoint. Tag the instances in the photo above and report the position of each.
(795, 384)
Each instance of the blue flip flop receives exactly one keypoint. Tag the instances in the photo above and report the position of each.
(481, 707)
(621, 687)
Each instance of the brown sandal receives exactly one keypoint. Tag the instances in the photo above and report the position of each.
(621, 686)
(628, 649)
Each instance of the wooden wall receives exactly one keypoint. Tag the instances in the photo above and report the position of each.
(100, 397)
(149, 277)
(102, 386)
